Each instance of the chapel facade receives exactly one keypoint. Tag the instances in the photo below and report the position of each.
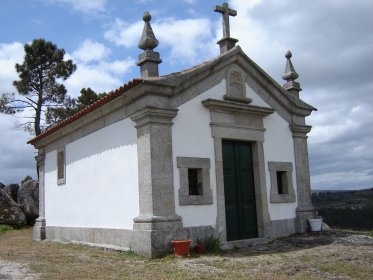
(219, 149)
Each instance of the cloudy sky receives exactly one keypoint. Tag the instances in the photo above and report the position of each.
(331, 42)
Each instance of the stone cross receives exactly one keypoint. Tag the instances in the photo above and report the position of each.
(226, 12)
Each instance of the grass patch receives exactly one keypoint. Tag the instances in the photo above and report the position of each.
(5, 228)
(71, 261)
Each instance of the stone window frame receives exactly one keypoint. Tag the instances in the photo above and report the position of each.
(289, 195)
(62, 180)
(184, 163)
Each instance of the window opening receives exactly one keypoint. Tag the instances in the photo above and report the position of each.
(61, 166)
(195, 181)
(281, 182)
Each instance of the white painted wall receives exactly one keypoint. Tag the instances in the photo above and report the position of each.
(278, 146)
(191, 137)
(101, 189)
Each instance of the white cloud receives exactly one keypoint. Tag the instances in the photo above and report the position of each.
(101, 77)
(91, 51)
(88, 6)
(343, 180)
(144, 1)
(188, 40)
(10, 54)
(124, 34)
(17, 158)
(118, 67)
(192, 2)
(95, 70)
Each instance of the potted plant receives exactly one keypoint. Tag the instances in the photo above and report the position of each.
(315, 223)
(181, 247)
(200, 247)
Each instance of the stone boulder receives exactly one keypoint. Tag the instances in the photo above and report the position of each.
(10, 212)
(12, 191)
(2, 185)
(28, 199)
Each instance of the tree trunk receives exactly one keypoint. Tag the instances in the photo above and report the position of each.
(37, 117)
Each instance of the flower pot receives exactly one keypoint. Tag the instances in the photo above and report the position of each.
(181, 247)
(315, 224)
(200, 249)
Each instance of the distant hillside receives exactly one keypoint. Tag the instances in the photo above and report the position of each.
(345, 209)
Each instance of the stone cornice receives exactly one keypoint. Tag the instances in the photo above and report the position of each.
(235, 107)
(300, 130)
(153, 115)
(40, 159)
(141, 96)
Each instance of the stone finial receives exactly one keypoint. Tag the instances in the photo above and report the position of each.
(227, 42)
(149, 59)
(148, 40)
(290, 76)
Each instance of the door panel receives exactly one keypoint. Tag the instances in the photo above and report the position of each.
(240, 208)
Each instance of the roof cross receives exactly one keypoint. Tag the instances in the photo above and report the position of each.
(226, 12)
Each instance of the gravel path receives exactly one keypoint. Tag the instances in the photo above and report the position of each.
(15, 271)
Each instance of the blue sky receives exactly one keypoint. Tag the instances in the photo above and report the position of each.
(331, 42)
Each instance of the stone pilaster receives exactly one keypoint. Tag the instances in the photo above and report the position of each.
(156, 189)
(157, 223)
(39, 227)
(305, 209)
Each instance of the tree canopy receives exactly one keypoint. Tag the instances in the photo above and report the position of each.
(40, 83)
(72, 105)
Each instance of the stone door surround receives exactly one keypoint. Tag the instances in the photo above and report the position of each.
(241, 122)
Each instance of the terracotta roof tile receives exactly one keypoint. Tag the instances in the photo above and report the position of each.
(105, 99)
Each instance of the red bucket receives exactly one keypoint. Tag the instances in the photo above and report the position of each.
(181, 247)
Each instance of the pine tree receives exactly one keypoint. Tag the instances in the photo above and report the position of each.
(39, 85)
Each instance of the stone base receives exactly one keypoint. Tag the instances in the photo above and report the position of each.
(156, 243)
(38, 232)
(282, 228)
(226, 44)
(244, 243)
(157, 222)
(301, 221)
(149, 243)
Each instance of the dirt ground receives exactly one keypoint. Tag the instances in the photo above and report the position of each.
(14, 270)
(326, 255)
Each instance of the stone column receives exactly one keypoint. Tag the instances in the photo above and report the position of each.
(305, 209)
(155, 164)
(39, 227)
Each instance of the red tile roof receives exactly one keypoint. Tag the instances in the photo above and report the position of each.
(107, 98)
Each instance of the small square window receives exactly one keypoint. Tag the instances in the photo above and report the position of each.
(195, 181)
(282, 190)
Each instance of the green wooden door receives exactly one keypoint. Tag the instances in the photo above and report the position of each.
(239, 191)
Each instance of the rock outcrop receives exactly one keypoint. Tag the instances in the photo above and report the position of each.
(12, 191)
(28, 199)
(10, 212)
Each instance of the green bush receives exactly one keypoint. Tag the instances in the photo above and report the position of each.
(4, 228)
(212, 244)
